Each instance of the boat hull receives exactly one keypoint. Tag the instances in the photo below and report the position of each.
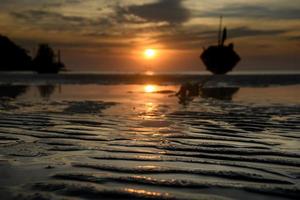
(220, 59)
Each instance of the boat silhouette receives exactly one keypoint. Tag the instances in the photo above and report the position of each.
(220, 58)
(46, 62)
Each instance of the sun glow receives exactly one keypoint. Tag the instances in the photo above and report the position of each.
(150, 53)
(149, 88)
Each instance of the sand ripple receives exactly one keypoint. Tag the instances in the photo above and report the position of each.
(208, 150)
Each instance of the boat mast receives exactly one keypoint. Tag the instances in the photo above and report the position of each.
(220, 30)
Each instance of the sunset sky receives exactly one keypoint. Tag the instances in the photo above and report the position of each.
(111, 35)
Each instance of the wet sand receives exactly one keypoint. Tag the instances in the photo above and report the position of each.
(139, 142)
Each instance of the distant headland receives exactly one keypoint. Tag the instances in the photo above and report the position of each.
(16, 58)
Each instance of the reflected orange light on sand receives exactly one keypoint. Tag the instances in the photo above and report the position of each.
(144, 192)
(149, 88)
(149, 107)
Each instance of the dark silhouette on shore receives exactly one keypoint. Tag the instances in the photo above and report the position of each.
(188, 90)
(12, 91)
(16, 58)
(221, 58)
(187, 93)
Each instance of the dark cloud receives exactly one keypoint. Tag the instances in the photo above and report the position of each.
(49, 20)
(108, 26)
(170, 11)
(253, 11)
(296, 38)
(41, 3)
(248, 32)
(78, 44)
(195, 39)
(40, 15)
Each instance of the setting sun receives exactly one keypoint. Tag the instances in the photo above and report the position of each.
(149, 88)
(149, 53)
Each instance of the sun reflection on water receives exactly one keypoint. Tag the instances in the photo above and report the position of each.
(149, 73)
(150, 88)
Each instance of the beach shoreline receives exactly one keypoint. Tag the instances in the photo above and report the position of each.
(139, 141)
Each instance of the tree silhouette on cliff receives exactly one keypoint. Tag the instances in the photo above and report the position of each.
(15, 58)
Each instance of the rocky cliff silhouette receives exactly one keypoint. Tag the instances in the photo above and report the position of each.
(13, 57)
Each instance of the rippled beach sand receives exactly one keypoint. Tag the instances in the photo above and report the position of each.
(141, 142)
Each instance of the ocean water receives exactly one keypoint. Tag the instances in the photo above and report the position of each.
(113, 136)
(238, 79)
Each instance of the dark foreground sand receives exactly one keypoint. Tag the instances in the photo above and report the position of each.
(138, 142)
